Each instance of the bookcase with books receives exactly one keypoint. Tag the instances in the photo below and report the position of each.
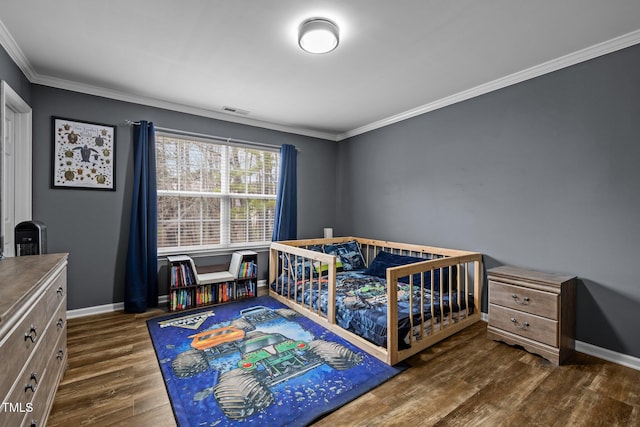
(189, 288)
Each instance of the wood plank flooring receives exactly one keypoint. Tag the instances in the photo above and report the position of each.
(113, 379)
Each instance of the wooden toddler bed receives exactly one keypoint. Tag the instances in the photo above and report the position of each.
(341, 283)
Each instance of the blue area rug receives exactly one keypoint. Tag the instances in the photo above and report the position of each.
(256, 362)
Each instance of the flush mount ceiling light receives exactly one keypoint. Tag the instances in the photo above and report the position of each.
(318, 35)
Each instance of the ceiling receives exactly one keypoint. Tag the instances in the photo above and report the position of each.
(396, 59)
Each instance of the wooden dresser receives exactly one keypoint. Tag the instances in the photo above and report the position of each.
(33, 336)
(533, 309)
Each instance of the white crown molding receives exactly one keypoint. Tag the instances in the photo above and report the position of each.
(174, 106)
(15, 53)
(615, 44)
(574, 58)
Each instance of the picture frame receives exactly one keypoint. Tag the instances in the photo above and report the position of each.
(83, 155)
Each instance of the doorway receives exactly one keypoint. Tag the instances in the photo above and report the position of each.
(15, 165)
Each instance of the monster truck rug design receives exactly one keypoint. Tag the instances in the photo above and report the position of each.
(256, 362)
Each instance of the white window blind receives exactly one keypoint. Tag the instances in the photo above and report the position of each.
(213, 195)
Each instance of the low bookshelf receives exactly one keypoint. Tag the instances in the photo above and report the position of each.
(191, 286)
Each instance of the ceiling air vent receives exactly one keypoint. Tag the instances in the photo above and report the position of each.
(235, 110)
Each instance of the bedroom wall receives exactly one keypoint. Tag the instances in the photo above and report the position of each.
(93, 226)
(12, 74)
(543, 174)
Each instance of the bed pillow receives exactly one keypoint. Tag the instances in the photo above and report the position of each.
(384, 260)
(323, 269)
(302, 266)
(349, 254)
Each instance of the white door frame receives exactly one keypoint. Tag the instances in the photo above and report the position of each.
(21, 181)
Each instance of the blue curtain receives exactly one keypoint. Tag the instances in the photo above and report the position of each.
(285, 225)
(141, 280)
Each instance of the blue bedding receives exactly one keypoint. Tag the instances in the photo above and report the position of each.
(361, 304)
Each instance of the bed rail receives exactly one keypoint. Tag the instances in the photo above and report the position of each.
(459, 273)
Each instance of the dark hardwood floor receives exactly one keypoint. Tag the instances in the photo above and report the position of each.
(113, 379)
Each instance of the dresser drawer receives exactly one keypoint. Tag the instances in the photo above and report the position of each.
(524, 324)
(43, 397)
(56, 292)
(58, 326)
(28, 386)
(540, 303)
(20, 342)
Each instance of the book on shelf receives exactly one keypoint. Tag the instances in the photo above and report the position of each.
(246, 289)
(185, 273)
(180, 299)
(189, 288)
(248, 269)
(238, 264)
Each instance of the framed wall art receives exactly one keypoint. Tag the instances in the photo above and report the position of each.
(84, 155)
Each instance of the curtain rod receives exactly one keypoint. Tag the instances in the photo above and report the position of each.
(203, 135)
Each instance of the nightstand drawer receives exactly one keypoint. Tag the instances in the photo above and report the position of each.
(540, 303)
(526, 325)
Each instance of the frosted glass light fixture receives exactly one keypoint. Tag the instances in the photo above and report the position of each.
(318, 35)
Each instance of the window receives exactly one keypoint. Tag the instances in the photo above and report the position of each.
(213, 195)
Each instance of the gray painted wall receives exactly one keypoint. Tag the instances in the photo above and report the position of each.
(10, 73)
(543, 174)
(93, 226)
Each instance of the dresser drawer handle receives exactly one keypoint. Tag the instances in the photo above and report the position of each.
(524, 326)
(33, 383)
(60, 291)
(32, 334)
(525, 300)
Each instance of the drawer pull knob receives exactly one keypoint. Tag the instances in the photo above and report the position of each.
(524, 301)
(524, 326)
(60, 291)
(31, 387)
(32, 334)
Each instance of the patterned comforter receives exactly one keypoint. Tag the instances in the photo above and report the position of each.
(361, 304)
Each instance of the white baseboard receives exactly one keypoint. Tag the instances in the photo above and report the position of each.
(599, 352)
(96, 309)
(107, 308)
(611, 356)
(582, 347)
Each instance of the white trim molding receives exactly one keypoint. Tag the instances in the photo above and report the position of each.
(615, 44)
(582, 347)
(574, 58)
(96, 309)
(19, 183)
(106, 308)
(609, 355)
(599, 352)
